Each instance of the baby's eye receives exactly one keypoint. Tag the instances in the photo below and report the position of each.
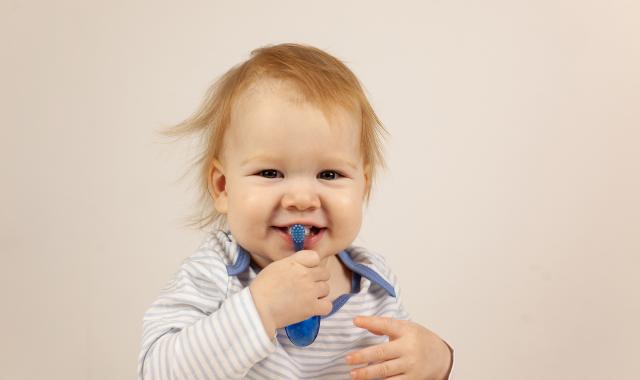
(269, 173)
(329, 175)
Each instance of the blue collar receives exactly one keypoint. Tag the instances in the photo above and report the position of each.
(244, 259)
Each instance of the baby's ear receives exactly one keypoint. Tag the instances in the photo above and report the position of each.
(218, 186)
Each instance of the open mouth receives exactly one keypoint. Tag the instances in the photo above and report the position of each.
(308, 230)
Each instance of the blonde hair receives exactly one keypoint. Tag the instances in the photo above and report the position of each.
(321, 79)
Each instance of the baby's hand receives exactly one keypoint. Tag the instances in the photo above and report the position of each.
(413, 352)
(291, 290)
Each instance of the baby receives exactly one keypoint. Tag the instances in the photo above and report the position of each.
(290, 138)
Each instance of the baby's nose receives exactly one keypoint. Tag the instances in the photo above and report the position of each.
(302, 197)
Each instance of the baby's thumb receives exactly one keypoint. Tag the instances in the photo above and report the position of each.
(308, 258)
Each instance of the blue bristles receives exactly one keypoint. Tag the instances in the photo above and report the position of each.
(297, 235)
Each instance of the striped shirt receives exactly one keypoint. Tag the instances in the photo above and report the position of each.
(204, 324)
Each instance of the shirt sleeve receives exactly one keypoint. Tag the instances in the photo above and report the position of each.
(450, 371)
(402, 313)
(194, 331)
(382, 266)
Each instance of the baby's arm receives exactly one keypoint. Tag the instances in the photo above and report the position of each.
(412, 350)
(192, 332)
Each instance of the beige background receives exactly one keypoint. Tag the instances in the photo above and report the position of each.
(510, 211)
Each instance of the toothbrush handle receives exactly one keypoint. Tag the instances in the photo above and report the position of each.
(304, 332)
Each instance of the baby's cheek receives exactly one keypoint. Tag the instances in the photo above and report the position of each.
(347, 211)
(245, 207)
(250, 199)
(252, 207)
(349, 202)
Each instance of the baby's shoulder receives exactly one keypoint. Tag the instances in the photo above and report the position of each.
(213, 252)
(366, 256)
(372, 259)
(206, 268)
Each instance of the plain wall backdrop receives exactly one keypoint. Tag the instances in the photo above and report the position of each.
(512, 189)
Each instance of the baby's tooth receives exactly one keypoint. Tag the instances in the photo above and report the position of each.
(307, 230)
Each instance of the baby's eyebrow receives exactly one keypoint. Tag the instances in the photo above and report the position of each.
(329, 160)
(349, 163)
(258, 157)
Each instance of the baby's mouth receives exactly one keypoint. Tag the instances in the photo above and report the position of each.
(308, 230)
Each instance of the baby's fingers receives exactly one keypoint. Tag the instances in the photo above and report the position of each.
(308, 258)
(393, 328)
(377, 353)
(380, 370)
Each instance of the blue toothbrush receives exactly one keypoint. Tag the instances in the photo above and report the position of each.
(305, 332)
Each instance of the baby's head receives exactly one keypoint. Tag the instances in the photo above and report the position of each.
(289, 137)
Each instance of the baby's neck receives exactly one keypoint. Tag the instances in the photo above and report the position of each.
(340, 280)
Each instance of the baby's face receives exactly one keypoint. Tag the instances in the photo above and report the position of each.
(284, 163)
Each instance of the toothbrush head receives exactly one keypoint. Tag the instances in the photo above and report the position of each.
(297, 233)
